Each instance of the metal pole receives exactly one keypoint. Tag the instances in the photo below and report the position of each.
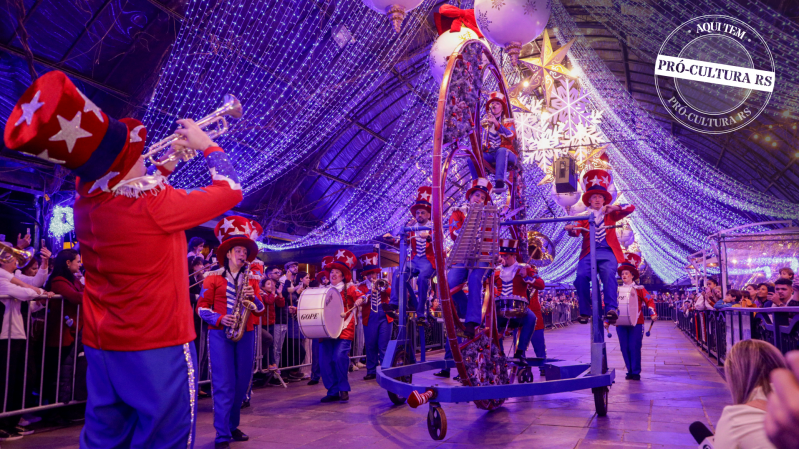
(598, 361)
(401, 295)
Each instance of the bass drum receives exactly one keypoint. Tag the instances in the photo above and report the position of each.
(319, 313)
(628, 306)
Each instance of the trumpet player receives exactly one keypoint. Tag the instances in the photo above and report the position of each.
(229, 303)
(138, 328)
(376, 322)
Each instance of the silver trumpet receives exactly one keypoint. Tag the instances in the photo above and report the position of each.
(231, 108)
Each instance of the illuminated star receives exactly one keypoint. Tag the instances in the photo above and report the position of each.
(547, 66)
(340, 254)
(425, 196)
(227, 223)
(594, 181)
(70, 131)
(29, 108)
(91, 107)
(134, 134)
(45, 156)
(102, 183)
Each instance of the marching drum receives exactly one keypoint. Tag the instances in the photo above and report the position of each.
(628, 306)
(511, 306)
(319, 313)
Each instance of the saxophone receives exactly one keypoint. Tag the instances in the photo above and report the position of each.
(241, 309)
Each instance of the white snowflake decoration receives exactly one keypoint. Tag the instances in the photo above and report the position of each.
(570, 106)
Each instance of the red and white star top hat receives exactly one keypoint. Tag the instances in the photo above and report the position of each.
(235, 231)
(424, 198)
(597, 181)
(55, 121)
(370, 263)
(344, 260)
(481, 184)
(508, 246)
(631, 263)
(255, 230)
(326, 261)
(497, 96)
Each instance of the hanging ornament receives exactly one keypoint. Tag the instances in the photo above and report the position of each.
(454, 27)
(394, 9)
(512, 23)
(547, 67)
(565, 200)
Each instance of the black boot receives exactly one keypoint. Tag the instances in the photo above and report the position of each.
(521, 359)
(470, 329)
(443, 373)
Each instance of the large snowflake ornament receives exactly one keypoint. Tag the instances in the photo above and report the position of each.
(570, 106)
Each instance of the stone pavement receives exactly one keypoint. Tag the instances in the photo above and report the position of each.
(678, 386)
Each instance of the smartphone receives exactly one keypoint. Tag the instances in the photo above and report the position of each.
(770, 288)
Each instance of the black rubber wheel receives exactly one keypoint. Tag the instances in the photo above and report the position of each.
(437, 422)
(601, 400)
(400, 359)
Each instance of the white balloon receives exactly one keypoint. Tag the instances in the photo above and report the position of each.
(578, 208)
(382, 6)
(564, 200)
(506, 21)
(443, 48)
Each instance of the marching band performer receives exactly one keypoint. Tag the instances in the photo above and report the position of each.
(498, 141)
(226, 294)
(377, 324)
(423, 260)
(631, 338)
(511, 281)
(478, 193)
(138, 328)
(539, 344)
(322, 279)
(608, 251)
(334, 353)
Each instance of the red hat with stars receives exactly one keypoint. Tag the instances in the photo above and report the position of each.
(326, 261)
(631, 263)
(597, 182)
(497, 96)
(235, 231)
(424, 196)
(370, 263)
(55, 121)
(344, 260)
(481, 184)
(508, 247)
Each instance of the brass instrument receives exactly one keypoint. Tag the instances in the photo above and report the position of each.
(241, 309)
(231, 107)
(540, 249)
(23, 256)
(379, 286)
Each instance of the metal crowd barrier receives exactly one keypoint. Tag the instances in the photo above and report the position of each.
(49, 376)
(559, 315)
(714, 331)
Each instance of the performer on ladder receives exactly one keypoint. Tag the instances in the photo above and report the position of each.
(478, 193)
(423, 261)
(334, 353)
(498, 148)
(376, 322)
(631, 338)
(608, 251)
(227, 293)
(138, 327)
(511, 281)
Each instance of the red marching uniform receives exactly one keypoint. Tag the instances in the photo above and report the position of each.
(631, 337)
(376, 322)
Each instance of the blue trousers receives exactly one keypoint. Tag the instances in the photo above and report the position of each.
(231, 371)
(424, 269)
(315, 372)
(527, 325)
(606, 269)
(334, 362)
(631, 339)
(539, 345)
(377, 333)
(141, 399)
(499, 158)
(474, 302)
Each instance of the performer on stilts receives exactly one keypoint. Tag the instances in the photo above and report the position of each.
(423, 262)
(498, 148)
(334, 353)
(511, 283)
(608, 251)
(226, 296)
(376, 322)
(631, 338)
(136, 315)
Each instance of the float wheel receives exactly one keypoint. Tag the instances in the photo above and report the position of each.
(437, 422)
(601, 400)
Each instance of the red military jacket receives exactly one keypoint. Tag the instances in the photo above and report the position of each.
(366, 309)
(610, 235)
(349, 293)
(535, 304)
(428, 248)
(507, 135)
(213, 304)
(522, 276)
(128, 304)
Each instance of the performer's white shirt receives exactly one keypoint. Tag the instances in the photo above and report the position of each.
(507, 273)
(12, 318)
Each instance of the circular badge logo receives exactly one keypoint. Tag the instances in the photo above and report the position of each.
(714, 74)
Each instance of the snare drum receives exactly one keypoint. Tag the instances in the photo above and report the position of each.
(628, 306)
(511, 306)
(319, 313)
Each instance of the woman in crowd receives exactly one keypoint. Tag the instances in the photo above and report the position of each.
(63, 323)
(747, 368)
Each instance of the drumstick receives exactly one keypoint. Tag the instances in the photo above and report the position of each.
(607, 326)
(651, 323)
